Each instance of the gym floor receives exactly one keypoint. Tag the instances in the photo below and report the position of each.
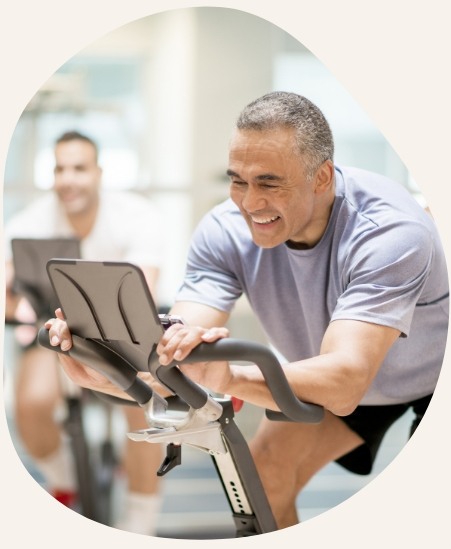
(194, 505)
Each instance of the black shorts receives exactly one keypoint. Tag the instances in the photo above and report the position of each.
(371, 423)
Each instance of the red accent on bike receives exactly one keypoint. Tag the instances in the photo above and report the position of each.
(65, 497)
(237, 404)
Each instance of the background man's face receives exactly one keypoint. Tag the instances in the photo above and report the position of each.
(77, 176)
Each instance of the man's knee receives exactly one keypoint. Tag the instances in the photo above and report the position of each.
(34, 411)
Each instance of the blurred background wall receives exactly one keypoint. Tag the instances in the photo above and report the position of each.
(160, 96)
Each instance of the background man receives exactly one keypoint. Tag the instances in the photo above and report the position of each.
(111, 226)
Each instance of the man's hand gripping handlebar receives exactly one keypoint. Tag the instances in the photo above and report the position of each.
(123, 375)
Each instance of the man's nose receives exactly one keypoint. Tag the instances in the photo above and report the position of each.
(64, 177)
(253, 199)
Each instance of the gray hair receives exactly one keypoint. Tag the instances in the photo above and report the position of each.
(278, 109)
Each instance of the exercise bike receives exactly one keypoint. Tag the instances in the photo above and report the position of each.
(115, 329)
(94, 473)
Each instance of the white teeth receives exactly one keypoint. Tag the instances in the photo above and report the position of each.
(264, 221)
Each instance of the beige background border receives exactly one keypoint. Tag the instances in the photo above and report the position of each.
(393, 57)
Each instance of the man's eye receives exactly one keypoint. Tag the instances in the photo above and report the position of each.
(238, 183)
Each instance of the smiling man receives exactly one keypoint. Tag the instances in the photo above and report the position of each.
(345, 272)
(114, 226)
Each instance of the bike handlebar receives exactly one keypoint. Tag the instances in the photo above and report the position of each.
(105, 361)
(124, 375)
(265, 359)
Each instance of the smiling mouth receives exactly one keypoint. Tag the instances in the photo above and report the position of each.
(68, 196)
(264, 220)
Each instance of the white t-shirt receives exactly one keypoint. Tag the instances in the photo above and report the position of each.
(128, 228)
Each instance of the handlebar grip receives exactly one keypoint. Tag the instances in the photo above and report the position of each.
(105, 361)
(182, 386)
(235, 349)
(14, 322)
(44, 341)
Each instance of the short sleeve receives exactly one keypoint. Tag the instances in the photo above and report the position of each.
(384, 275)
(209, 277)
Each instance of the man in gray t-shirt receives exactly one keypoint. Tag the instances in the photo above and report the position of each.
(378, 261)
(346, 273)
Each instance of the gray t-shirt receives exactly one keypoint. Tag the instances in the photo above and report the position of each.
(380, 260)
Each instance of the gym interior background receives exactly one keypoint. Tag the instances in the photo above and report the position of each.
(160, 96)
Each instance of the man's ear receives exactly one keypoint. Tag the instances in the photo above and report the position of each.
(100, 172)
(324, 177)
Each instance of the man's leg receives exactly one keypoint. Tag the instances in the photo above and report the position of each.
(287, 455)
(37, 395)
(141, 462)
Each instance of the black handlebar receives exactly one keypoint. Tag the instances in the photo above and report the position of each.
(236, 349)
(121, 373)
(105, 361)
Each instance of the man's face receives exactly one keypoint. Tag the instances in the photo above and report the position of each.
(77, 176)
(269, 186)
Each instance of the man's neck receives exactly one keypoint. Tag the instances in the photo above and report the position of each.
(319, 226)
(82, 223)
